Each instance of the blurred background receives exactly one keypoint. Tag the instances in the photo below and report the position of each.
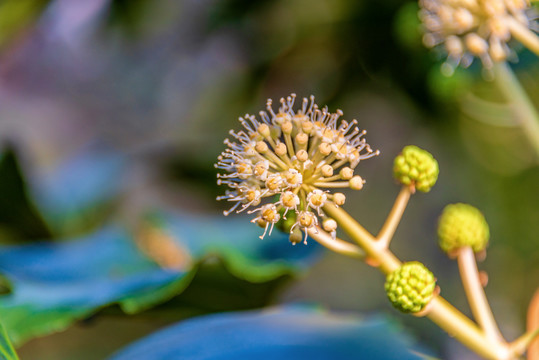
(157, 84)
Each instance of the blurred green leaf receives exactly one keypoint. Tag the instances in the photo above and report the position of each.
(128, 15)
(55, 284)
(16, 16)
(7, 352)
(19, 218)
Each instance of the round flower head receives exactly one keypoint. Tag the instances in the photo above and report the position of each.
(411, 287)
(473, 28)
(293, 158)
(416, 167)
(462, 225)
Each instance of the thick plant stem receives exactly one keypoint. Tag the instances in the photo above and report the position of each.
(521, 32)
(337, 245)
(464, 330)
(440, 311)
(476, 295)
(527, 116)
(386, 260)
(388, 229)
(526, 342)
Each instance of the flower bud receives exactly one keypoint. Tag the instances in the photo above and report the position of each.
(416, 167)
(411, 287)
(296, 236)
(462, 225)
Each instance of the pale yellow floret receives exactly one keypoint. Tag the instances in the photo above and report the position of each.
(339, 199)
(302, 138)
(329, 225)
(346, 173)
(264, 130)
(470, 28)
(295, 157)
(327, 170)
(302, 155)
(261, 147)
(280, 149)
(356, 183)
(289, 200)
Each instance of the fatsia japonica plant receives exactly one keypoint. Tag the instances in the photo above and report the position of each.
(284, 168)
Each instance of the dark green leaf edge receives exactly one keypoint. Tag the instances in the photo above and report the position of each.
(234, 261)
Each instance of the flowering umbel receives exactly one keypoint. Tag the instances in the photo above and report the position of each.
(468, 28)
(292, 158)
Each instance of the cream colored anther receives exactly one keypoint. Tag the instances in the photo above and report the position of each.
(339, 199)
(346, 173)
(454, 46)
(329, 225)
(287, 127)
(463, 18)
(280, 149)
(327, 170)
(316, 198)
(306, 219)
(302, 155)
(307, 127)
(302, 138)
(496, 51)
(274, 182)
(261, 147)
(325, 149)
(264, 130)
(356, 183)
(289, 200)
(476, 44)
(499, 28)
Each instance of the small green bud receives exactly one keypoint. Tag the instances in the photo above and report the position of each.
(411, 287)
(296, 236)
(416, 167)
(462, 225)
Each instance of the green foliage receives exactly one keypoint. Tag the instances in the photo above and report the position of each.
(7, 352)
(140, 270)
(19, 218)
(17, 16)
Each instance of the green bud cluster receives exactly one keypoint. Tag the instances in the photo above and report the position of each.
(411, 287)
(416, 167)
(462, 225)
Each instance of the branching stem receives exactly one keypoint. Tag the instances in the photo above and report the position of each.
(476, 295)
(440, 312)
(337, 245)
(393, 219)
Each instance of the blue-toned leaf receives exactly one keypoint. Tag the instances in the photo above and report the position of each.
(279, 333)
(7, 352)
(237, 241)
(54, 284)
(79, 185)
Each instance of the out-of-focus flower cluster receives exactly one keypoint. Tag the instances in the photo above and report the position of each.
(473, 28)
(290, 157)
